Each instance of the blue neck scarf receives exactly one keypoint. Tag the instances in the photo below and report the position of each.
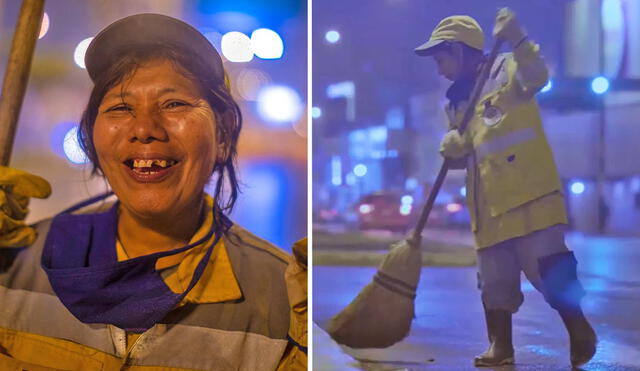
(80, 260)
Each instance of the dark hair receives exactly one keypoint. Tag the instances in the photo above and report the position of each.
(217, 93)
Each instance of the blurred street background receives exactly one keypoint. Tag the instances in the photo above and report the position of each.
(264, 47)
(378, 119)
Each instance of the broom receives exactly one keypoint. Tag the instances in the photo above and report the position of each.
(381, 314)
(17, 73)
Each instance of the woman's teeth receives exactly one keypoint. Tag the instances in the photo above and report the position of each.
(151, 166)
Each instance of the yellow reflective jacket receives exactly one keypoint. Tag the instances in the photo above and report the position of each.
(239, 316)
(513, 186)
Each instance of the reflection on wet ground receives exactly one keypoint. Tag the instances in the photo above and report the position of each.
(449, 326)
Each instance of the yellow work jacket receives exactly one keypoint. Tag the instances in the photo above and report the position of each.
(513, 186)
(199, 337)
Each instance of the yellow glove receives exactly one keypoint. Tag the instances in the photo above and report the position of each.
(508, 28)
(16, 187)
(454, 146)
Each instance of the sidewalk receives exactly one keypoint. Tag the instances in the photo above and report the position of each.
(440, 247)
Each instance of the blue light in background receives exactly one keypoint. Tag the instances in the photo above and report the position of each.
(395, 118)
(316, 112)
(72, 149)
(411, 183)
(266, 205)
(267, 44)
(64, 143)
(600, 85)
(350, 179)
(344, 89)
(360, 170)
(405, 209)
(214, 37)
(577, 188)
(336, 171)
(378, 134)
(332, 36)
(612, 13)
(279, 104)
(463, 191)
(547, 87)
(272, 13)
(234, 21)
(406, 200)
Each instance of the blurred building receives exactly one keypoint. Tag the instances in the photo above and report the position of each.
(270, 71)
(391, 120)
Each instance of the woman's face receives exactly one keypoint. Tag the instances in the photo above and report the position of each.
(155, 137)
(448, 64)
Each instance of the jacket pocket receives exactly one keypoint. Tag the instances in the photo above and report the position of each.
(35, 352)
(515, 169)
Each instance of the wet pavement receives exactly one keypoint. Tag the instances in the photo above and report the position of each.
(449, 327)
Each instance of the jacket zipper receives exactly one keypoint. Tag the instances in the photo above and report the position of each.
(127, 355)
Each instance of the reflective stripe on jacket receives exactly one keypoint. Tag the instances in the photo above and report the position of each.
(38, 333)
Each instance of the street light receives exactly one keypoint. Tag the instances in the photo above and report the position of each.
(360, 170)
(600, 85)
(332, 36)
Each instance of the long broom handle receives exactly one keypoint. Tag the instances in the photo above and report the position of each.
(475, 95)
(17, 73)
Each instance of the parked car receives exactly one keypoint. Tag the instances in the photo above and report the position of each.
(383, 210)
(399, 213)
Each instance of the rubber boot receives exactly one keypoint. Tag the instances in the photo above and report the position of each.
(582, 337)
(564, 292)
(500, 350)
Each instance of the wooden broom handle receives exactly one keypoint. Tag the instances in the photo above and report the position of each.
(468, 114)
(17, 73)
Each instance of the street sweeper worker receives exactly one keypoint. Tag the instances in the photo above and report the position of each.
(514, 192)
(160, 279)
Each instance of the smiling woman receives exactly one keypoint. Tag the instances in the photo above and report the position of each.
(161, 278)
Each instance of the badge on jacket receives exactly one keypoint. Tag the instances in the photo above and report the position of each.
(492, 115)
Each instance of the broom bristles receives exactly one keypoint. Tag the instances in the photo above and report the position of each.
(381, 314)
(376, 318)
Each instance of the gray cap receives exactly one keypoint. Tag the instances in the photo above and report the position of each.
(148, 30)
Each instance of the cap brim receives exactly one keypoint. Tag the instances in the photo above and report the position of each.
(153, 30)
(427, 48)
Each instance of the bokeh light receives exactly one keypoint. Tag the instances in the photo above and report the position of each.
(72, 149)
(332, 36)
(600, 85)
(44, 27)
(577, 188)
(365, 208)
(316, 112)
(406, 200)
(236, 47)
(81, 49)
(463, 191)
(360, 170)
(248, 82)
(405, 209)
(266, 44)
(454, 207)
(279, 104)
